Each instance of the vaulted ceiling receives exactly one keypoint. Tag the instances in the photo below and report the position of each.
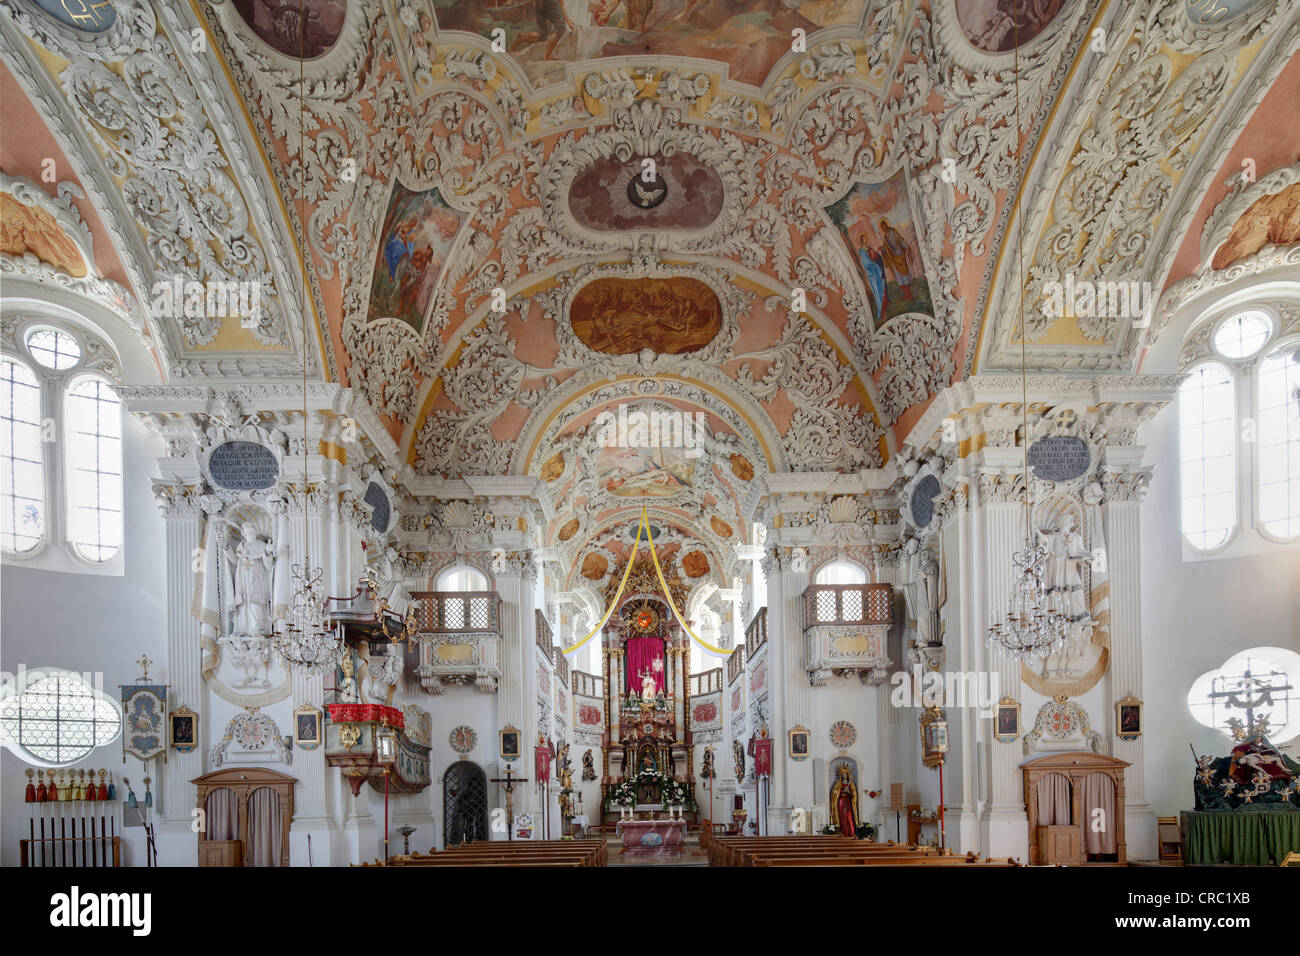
(827, 234)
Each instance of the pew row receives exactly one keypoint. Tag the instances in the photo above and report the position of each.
(834, 851)
(540, 853)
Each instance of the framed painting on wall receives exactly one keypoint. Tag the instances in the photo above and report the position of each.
(509, 742)
(1006, 720)
(307, 726)
(184, 729)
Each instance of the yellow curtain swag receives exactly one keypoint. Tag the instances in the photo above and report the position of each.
(645, 525)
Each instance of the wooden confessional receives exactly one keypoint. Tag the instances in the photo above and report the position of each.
(1056, 841)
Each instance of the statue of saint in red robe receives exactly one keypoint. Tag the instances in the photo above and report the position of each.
(844, 803)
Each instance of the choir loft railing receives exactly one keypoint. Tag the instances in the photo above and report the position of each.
(709, 682)
(562, 668)
(844, 604)
(457, 612)
(735, 664)
(588, 685)
(756, 632)
(542, 634)
(460, 636)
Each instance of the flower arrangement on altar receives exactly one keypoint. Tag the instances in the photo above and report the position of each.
(670, 790)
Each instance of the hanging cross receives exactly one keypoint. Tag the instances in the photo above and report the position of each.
(510, 782)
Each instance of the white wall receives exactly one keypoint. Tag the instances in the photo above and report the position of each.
(1196, 614)
(89, 622)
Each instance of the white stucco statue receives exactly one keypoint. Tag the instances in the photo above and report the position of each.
(1065, 551)
(252, 563)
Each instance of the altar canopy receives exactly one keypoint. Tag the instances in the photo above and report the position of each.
(645, 655)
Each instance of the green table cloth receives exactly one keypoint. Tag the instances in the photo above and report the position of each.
(1244, 837)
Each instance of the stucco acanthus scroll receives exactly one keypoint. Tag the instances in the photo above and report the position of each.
(153, 130)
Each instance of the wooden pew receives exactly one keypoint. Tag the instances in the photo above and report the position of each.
(542, 853)
(725, 851)
(833, 851)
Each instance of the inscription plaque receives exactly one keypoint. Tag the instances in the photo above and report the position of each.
(243, 466)
(376, 498)
(1059, 457)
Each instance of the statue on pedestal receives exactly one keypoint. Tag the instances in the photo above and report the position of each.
(347, 689)
(252, 561)
(844, 803)
(1065, 551)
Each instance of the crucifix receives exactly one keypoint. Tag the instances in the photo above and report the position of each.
(1250, 691)
(510, 782)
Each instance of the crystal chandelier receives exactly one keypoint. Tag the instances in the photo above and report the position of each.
(306, 639)
(1033, 627)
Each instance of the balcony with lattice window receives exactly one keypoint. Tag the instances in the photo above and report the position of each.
(460, 639)
(845, 628)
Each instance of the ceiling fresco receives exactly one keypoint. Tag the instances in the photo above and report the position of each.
(747, 36)
(668, 316)
(784, 225)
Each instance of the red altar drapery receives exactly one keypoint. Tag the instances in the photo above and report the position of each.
(642, 652)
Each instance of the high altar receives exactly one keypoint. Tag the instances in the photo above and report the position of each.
(647, 706)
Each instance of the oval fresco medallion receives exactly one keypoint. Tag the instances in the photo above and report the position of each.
(276, 22)
(668, 316)
(594, 566)
(553, 468)
(741, 467)
(991, 27)
(695, 564)
(720, 527)
(569, 530)
(613, 196)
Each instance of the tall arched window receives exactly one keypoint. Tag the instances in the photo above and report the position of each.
(22, 478)
(1207, 443)
(840, 572)
(60, 441)
(461, 612)
(461, 578)
(92, 416)
(1278, 383)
